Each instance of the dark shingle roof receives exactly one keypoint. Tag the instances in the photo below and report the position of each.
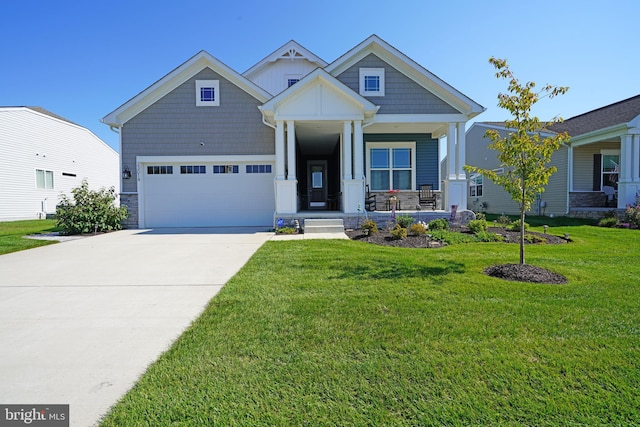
(49, 113)
(601, 118)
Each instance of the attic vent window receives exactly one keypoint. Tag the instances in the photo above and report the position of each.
(372, 81)
(207, 93)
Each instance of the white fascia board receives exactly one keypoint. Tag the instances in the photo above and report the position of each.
(277, 54)
(411, 69)
(503, 128)
(599, 135)
(206, 159)
(174, 79)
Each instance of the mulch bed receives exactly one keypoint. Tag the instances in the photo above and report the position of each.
(514, 272)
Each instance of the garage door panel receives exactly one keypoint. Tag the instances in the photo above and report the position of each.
(208, 200)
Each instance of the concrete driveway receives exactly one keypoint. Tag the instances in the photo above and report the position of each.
(80, 321)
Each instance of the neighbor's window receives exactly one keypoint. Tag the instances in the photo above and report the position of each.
(44, 179)
(291, 82)
(372, 81)
(207, 93)
(159, 170)
(475, 185)
(193, 169)
(391, 166)
(610, 169)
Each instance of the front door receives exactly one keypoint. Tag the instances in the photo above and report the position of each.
(317, 183)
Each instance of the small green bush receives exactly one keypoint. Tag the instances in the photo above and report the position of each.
(485, 236)
(608, 222)
(89, 211)
(515, 226)
(404, 221)
(285, 230)
(478, 225)
(398, 232)
(532, 238)
(503, 220)
(438, 224)
(369, 227)
(452, 237)
(418, 229)
(480, 215)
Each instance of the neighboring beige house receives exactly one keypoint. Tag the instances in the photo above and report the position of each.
(598, 170)
(45, 155)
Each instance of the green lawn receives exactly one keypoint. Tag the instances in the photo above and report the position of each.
(11, 234)
(346, 333)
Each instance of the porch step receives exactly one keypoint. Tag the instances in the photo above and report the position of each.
(323, 226)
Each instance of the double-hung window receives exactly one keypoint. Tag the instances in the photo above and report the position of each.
(610, 167)
(475, 185)
(391, 166)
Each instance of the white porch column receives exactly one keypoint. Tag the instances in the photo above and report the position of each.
(286, 195)
(280, 150)
(460, 151)
(347, 146)
(358, 150)
(451, 151)
(291, 151)
(629, 183)
(635, 159)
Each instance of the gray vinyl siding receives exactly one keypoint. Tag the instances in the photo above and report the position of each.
(402, 95)
(498, 200)
(426, 154)
(583, 163)
(175, 126)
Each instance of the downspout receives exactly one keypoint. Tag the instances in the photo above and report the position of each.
(569, 178)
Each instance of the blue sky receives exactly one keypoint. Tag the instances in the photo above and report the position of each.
(83, 59)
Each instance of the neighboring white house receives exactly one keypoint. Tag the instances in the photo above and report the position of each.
(42, 156)
(293, 136)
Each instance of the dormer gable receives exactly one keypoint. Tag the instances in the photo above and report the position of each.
(284, 67)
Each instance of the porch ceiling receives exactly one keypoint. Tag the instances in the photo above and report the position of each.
(316, 138)
(435, 129)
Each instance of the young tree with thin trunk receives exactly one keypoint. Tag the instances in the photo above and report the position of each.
(523, 153)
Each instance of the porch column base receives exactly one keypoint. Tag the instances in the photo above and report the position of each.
(286, 196)
(352, 195)
(456, 194)
(627, 193)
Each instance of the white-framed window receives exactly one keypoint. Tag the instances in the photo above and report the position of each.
(475, 185)
(292, 79)
(391, 166)
(372, 81)
(258, 168)
(159, 170)
(207, 93)
(220, 169)
(192, 169)
(610, 167)
(44, 179)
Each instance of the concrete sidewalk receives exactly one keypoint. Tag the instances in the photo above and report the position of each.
(80, 321)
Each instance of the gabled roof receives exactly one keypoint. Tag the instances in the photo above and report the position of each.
(290, 50)
(42, 111)
(618, 113)
(410, 68)
(174, 79)
(367, 107)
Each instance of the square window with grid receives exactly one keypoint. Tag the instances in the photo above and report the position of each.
(190, 170)
(258, 169)
(159, 170)
(220, 169)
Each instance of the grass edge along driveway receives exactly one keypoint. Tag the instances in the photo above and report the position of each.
(12, 234)
(346, 333)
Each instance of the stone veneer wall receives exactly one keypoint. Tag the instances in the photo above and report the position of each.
(590, 199)
(409, 201)
(131, 202)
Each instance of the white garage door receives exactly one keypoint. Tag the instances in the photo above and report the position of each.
(207, 194)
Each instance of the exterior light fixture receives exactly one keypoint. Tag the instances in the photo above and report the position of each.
(126, 173)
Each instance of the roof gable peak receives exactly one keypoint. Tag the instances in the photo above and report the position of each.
(291, 50)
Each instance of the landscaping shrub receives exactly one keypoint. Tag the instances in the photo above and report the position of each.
(369, 227)
(418, 229)
(515, 226)
(480, 215)
(532, 238)
(632, 215)
(438, 224)
(485, 236)
(503, 221)
(285, 230)
(608, 222)
(404, 221)
(478, 225)
(90, 211)
(398, 232)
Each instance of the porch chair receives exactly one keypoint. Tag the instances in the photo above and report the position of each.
(611, 195)
(370, 200)
(426, 196)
